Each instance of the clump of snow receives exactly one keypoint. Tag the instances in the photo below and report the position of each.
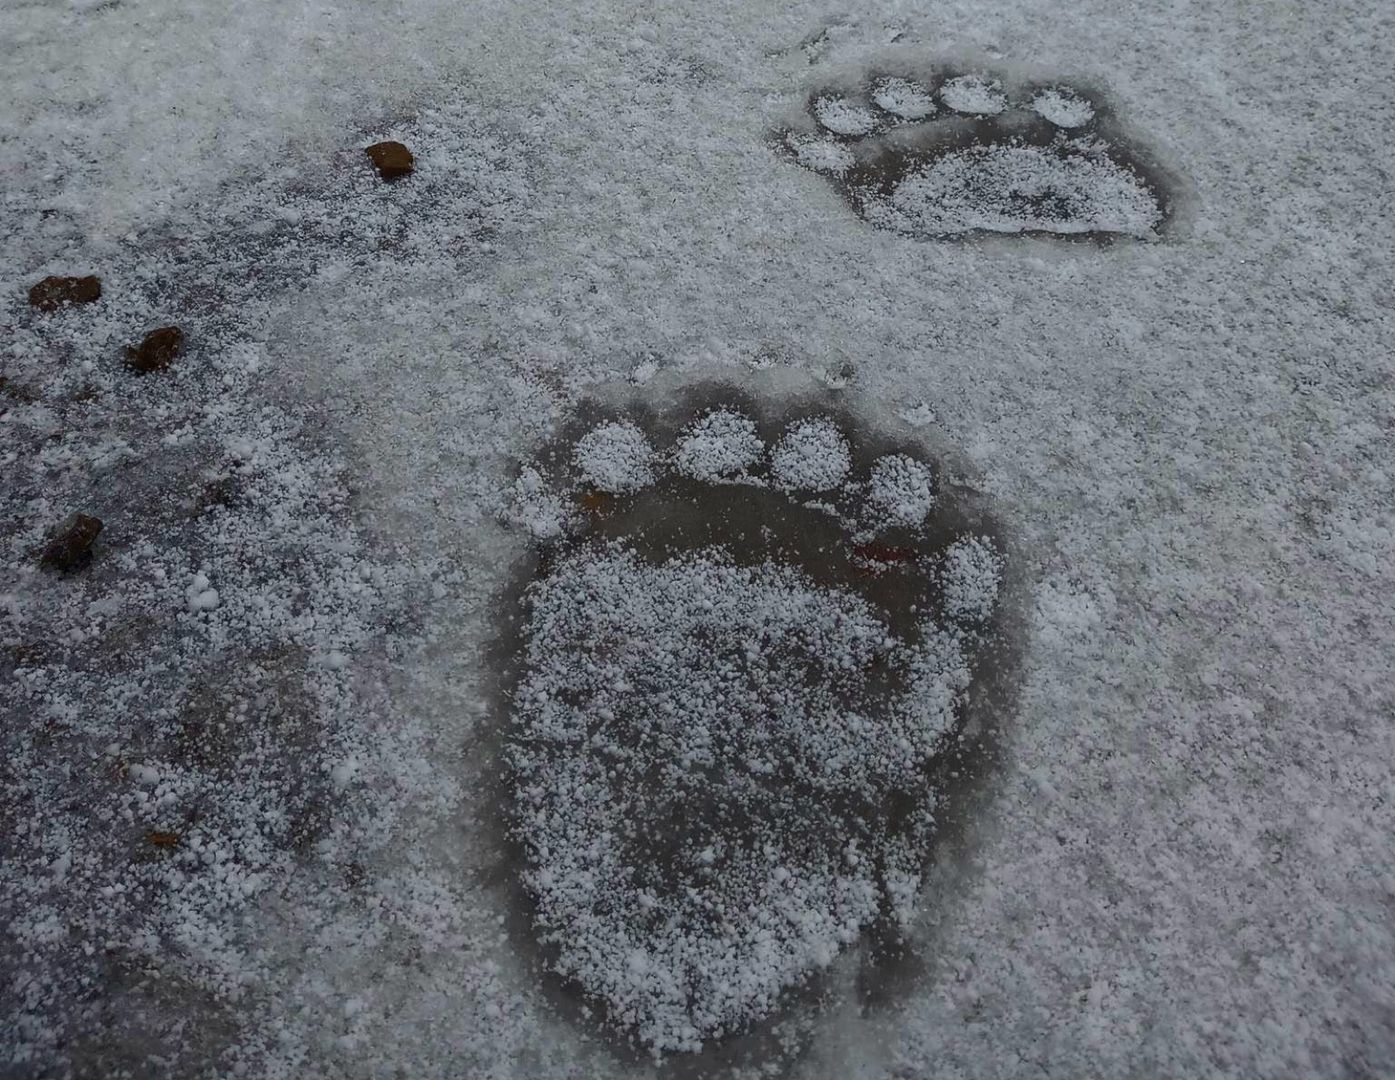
(700, 750)
(1014, 189)
(200, 594)
(615, 457)
(970, 579)
(1063, 108)
(901, 488)
(812, 455)
(536, 507)
(844, 117)
(903, 98)
(974, 94)
(721, 445)
(820, 154)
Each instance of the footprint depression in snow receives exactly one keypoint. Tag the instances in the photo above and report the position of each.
(746, 651)
(943, 155)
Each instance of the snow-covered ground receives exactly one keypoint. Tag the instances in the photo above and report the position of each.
(250, 802)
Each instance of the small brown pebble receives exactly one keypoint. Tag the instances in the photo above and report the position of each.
(163, 839)
(71, 545)
(157, 351)
(391, 159)
(53, 292)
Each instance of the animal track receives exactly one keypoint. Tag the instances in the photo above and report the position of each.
(940, 155)
(745, 662)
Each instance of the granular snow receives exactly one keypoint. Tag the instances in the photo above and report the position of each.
(721, 445)
(970, 578)
(1013, 189)
(616, 458)
(901, 488)
(699, 749)
(812, 456)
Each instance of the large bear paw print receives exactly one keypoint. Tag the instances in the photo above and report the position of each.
(747, 647)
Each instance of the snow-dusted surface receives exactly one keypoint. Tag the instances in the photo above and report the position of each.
(1183, 867)
(722, 766)
(1011, 189)
(689, 768)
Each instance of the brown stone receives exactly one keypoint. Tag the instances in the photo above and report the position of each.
(391, 159)
(71, 544)
(157, 351)
(163, 839)
(53, 292)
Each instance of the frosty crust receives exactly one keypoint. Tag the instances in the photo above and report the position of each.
(938, 155)
(745, 653)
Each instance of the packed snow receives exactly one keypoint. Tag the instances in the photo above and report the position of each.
(615, 458)
(903, 98)
(1063, 108)
(901, 487)
(722, 445)
(812, 456)
(843, 117)
(974, 94)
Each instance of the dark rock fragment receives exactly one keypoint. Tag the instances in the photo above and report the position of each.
(71, 544)
(157, 351)
(54, 292)
(392, 160)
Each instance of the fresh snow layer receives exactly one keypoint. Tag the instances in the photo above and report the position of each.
(1182, 863)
